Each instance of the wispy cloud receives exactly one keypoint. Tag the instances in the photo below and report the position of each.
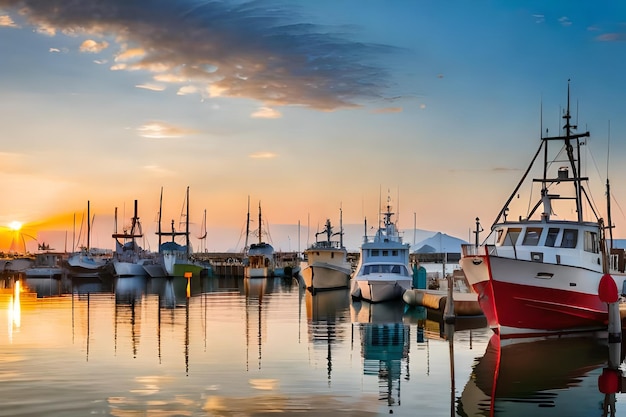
(258, 49)
(564, 21)
(162, 130)
(93, 47)
(263, 155)
(611, 37)
(152, 87)
(539, 18)
(7, 21)
(266, 113)
(388, 110)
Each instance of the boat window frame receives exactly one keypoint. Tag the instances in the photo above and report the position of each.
(532, 236)
(591, 243)
(565, 241)
(506, 241)
(552, 237)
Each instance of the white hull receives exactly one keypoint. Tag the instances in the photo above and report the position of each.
(324, 276)
(383, 287)
(127, 269)
(250, 272)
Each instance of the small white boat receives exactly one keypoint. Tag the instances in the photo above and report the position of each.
(326, 266)
(46, 265)
(88, 262)
(259, 261)
(383, 271)
(127, 259)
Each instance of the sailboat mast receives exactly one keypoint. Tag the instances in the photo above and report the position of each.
(88, 226)
(187, 225)
(260, 226)
(160, 213)
(245, 248)
(340, 227)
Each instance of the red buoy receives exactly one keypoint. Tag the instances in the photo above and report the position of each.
(607, 290)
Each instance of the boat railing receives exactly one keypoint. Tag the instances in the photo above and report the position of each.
(327, 244)
(473, 250)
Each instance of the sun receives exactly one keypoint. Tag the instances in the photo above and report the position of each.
(15, 226)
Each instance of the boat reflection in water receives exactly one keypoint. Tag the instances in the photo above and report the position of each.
(326, 312)
(536, 377)
(385, 342)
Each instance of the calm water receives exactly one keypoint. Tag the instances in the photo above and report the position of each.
(236, 347)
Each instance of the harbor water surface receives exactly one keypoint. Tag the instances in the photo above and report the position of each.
(259, 347)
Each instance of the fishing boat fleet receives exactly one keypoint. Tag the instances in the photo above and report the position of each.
(537, 272)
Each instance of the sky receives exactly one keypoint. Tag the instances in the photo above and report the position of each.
(307, 109)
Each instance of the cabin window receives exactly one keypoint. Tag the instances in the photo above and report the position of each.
(375, 252)
(332, 255)
(394, 253)
(366, 270)
(591, 242)
(511, 236)
(385, 253)
(531, 238)
(553, 232)
(570, 237)
(500, 232)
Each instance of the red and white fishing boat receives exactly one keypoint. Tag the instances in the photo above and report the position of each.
(539, 273)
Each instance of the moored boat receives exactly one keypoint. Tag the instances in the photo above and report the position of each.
(327, 266)
(127, 259)
(383, 270)
(259, 261)
(539, 273)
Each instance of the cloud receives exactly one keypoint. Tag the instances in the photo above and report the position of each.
(254, 50)
(263, 155)
(611, 37)
(93, 47)
(54, 50)
(266, 113)
(539, 18)
(162, 130)
(564, 21)
(388, 110)
(7, 21)
(152, 87)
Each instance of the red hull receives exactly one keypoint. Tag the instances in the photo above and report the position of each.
(534, 309)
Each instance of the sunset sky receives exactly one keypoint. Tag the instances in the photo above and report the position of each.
(305, 106)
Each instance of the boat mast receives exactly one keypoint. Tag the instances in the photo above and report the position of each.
(88, 226)
(260, 227)
(245, 248)
(160, 214)
(187, 226)
(340, 227)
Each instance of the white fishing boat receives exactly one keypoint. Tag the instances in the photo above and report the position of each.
(259, 260)
(47, 264)
(383, 270)
(326, 266)
(177, 259)
(539, 272)
(88, 262)
(128, 257)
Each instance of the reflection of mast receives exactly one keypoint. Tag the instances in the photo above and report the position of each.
(187, 338)
(383, 347)
(254, 287)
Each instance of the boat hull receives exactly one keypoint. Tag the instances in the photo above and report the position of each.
(44, 272)
(263, 272)
(128, 269)
(321, 276)
(381, 288)
(532, 298)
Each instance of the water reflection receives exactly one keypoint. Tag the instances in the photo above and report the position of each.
(522, 377)
(326, 313)
(385, 342)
